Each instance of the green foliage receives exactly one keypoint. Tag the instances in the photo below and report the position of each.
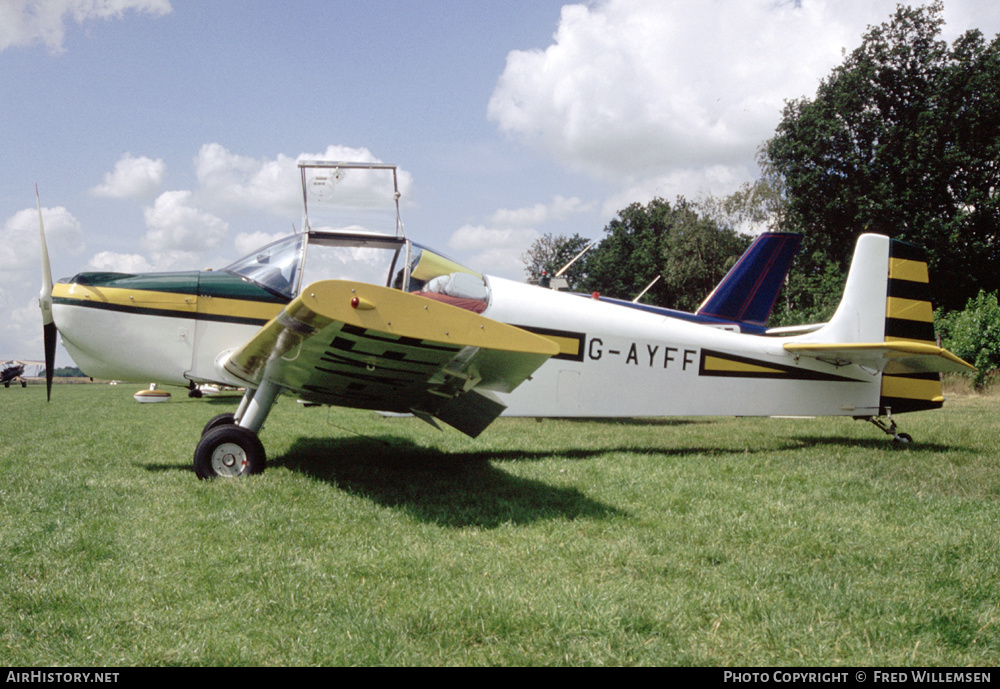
(974, 334)
(901, 139)
(549, 254)
(812, 292)
(689, 251)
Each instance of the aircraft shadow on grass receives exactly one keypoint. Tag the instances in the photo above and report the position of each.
(467, 488)
(873, 444)
(455, 489)
(463, 489)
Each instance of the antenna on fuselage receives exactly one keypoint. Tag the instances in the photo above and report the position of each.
(587, 248)
(655, 280)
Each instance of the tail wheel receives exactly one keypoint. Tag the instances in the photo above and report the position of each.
(229, 452)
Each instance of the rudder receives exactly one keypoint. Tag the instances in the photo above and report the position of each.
(909, 317)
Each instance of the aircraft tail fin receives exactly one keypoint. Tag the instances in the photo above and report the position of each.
(886, 321)
(749, 290)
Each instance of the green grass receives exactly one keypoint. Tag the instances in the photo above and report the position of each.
(383, 541)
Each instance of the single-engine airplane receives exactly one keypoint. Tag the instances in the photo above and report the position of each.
(12, 371)
(431, 337)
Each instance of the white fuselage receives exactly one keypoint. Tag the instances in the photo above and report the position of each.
(616, 361)
(631, 363)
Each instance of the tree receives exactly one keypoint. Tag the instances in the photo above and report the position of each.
(974, 335)
(901, 139)
(689, 251)
(548, 255)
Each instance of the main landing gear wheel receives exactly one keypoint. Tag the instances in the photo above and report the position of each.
(229, 452)
(227, 419)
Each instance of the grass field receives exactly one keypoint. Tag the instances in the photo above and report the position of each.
(376, 540)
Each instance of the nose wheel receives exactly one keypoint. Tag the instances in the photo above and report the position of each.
(229, 452)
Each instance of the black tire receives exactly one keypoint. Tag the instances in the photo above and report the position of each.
(903, 439)
(229, 452)
(227, 419)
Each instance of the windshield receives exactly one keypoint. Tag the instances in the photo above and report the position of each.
(375, 259)
(275, 267)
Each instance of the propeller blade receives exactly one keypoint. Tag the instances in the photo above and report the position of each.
(49, 330)
(45, 304)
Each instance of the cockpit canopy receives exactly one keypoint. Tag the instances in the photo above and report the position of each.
(288, 264)
(274, 267)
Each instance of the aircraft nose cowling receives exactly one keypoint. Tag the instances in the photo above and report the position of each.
(129, 327)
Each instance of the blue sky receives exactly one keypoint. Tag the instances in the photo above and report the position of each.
(155, 128)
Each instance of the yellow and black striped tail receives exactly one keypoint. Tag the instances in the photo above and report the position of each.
(909, 317)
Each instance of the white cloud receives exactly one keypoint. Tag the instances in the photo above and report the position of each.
(493, 251)
(134, 178)
(691, 183)
(532, 216)
(240, 182)
(496, 246)
(631, 89)
(20, 236)
(26, 22)
(119, 263)
(24, 327)
(236, 183)
(245, 242)
(178, 232)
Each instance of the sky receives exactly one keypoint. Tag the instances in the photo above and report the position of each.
(164, 134)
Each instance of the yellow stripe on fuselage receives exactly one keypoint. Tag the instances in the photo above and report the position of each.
(239, 308)
(181, 304)
(716, 364)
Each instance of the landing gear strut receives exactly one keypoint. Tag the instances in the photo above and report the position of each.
(229, 446)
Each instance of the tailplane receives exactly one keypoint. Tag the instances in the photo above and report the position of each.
(885, 322)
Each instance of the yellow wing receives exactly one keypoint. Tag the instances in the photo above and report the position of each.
(359, 345)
